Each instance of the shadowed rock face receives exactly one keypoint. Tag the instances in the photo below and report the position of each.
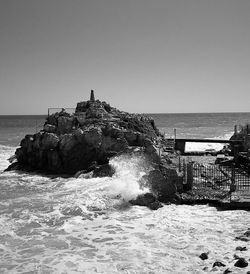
(94, 133)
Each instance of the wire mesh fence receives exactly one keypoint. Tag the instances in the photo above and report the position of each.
(220, 177)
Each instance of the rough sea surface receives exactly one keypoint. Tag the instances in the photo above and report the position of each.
(69, 225)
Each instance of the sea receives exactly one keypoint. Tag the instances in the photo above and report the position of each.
(52, 224)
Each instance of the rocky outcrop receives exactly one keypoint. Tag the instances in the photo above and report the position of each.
(69, 143)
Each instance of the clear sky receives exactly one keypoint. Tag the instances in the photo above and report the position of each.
(138, 55)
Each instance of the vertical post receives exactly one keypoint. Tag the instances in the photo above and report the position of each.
(247, 128)
(174, 134)
(190, 176)
(48, 112)
(184, 174)
(236, 153)
(233, 185)
(179, 163)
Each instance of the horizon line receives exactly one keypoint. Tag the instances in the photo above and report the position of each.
(146, 113)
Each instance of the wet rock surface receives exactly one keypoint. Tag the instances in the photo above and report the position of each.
(147, 199)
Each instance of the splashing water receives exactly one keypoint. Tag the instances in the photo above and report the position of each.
(128, 178)
(58, 225)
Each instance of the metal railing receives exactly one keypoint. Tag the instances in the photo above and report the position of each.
(54, 110)
(220, 177)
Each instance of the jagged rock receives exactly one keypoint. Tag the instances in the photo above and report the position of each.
(170, 173)
(104, 171)
(164, 189)
(13, 166)
(240, 248)
(204, 256)
(54, 161)
(49, 128)
(151, 151)
(245, 237)
(241, 263)
(93, 137)
(49, 141)
(64, 124)
(147, 199)
(219, 264)
(131, 137)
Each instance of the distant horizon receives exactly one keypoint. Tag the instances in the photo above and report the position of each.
(146, 113)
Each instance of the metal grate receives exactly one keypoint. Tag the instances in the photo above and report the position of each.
(220, 177)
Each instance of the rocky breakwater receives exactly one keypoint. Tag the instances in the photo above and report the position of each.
(86, 140)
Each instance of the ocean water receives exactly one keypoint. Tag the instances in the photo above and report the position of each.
(86, 225)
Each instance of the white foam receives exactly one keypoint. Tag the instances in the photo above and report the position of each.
(129, 171)
(5, 153)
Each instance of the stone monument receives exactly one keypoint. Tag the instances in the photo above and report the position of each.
(92, 96)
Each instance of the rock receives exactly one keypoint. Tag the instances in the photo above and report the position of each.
(204, 256)
(110, 144)
(219, 264)
(163, 189)
(94, 133)
(96, 110)
(93, 137)
(151, 151)
(49, 141)
(131, 137)
(236, 257)
(241, 263)
(155, 205)
(14, 166)
(245, 237)
(64, 124)
(79, 173)
(147, 199)
(49, 128)
(104, 171)
(54, 162)
(247, 233)
(240, 248)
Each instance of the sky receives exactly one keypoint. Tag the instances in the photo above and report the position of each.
(143, 56)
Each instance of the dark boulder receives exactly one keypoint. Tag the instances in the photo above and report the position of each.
(104, 171)
(240, 248)
(241, 262)
(204, 256)
(147, 199)
(163, 188)
(218, 264)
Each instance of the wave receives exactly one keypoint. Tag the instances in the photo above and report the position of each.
(5, 153)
